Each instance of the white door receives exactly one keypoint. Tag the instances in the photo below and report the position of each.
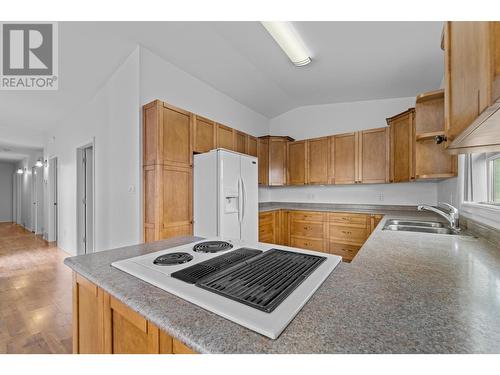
(89, 200)
(52, 230)
(229, 195)
(250, 199)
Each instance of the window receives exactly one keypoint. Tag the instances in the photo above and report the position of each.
(494, 179)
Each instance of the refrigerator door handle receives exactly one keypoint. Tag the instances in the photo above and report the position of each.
(244, 193)
(240, 201)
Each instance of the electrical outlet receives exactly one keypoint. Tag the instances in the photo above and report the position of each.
(131, 189)
(380, 197)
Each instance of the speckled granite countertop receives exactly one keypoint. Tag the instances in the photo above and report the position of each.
(403, 293)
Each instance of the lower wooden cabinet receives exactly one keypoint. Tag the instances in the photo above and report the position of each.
(339, 233)
(104, 325)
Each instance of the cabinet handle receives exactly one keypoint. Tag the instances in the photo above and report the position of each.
(346, 232)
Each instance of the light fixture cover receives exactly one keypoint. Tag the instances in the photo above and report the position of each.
(289, 40)
(39, 163)
(19, 171)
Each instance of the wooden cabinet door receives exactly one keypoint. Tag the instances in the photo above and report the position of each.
(204, 135)
(88, 328)
(373, 156)
(277, 161)
(225, 137)
(252, 146)
(263, 157)
(175, 136)
(240, 142)
(126, 332)
(402, 156)
(468, 73)
(296, 161)
(318, 158)
(344, 158)
(176, 201)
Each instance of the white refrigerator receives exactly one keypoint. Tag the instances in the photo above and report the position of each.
(225, 195)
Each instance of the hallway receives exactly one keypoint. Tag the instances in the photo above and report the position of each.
(35, 294)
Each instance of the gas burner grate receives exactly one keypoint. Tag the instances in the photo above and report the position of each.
(212, 246)
(264, 281)
(172, 259)
(201, 270)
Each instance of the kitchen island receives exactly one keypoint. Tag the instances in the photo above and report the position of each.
(403, 293)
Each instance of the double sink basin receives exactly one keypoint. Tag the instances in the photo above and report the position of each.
(418, 226)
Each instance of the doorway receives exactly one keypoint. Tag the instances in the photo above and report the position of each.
(37, 200)
(52, 206)
(85, 199)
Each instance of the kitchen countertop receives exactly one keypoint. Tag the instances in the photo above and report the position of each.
(404, 292)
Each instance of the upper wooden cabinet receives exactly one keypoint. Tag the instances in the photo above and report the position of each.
(344, 154)
(373, 157)
(263, 157)
(318, 160)
(167, 134)
(432, 161)
(252, 146)
(402, 150)
(296, 155)
(240, 142)
(472, 71)
(204, 134)
(277, 160)
(225, 137)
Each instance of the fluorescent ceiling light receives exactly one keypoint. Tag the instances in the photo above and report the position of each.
(289, 40)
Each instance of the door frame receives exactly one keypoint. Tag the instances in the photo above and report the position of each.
(52, 199)
(79, 195)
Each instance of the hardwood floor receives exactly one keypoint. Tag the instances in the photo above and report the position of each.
(35, 294)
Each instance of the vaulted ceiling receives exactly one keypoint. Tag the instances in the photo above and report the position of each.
(351, 61)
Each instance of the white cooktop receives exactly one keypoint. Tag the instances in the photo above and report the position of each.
(267, 324)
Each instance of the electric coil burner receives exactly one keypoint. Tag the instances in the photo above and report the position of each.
(212, 246)
(172, 259)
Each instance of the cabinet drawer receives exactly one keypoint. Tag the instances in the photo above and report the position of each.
(307, 243)
(307, 216)
(306, 229)
(346, 234)
(347, 252)
(266, 216)
(347, 218)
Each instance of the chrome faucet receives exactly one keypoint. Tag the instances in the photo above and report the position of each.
(451, 215)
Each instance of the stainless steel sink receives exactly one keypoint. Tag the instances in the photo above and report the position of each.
(418, 226)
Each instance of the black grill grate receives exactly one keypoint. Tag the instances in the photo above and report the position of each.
(264, 281)
(201, 270)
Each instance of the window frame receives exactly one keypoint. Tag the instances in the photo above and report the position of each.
(491, 178)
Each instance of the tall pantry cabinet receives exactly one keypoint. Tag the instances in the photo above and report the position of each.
(167, 171)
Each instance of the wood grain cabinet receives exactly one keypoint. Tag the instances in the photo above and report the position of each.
(204, 135)
(273, 227)
(275, 160)
(252, 148)
(472, 71)
(318, 160)
(344, 158)
(225, 137)
(263, 158)
(296, 163)
(373, 159)
(167, 171)
(307, 230)
(104, 325)
(432, 161)
(402, 148)
(347, 232)
(240, 142)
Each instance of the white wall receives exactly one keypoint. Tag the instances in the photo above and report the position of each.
(6, 197)
(321, 120)
(111, 119)
(164, 81)
(389, 194)
(327, 119)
